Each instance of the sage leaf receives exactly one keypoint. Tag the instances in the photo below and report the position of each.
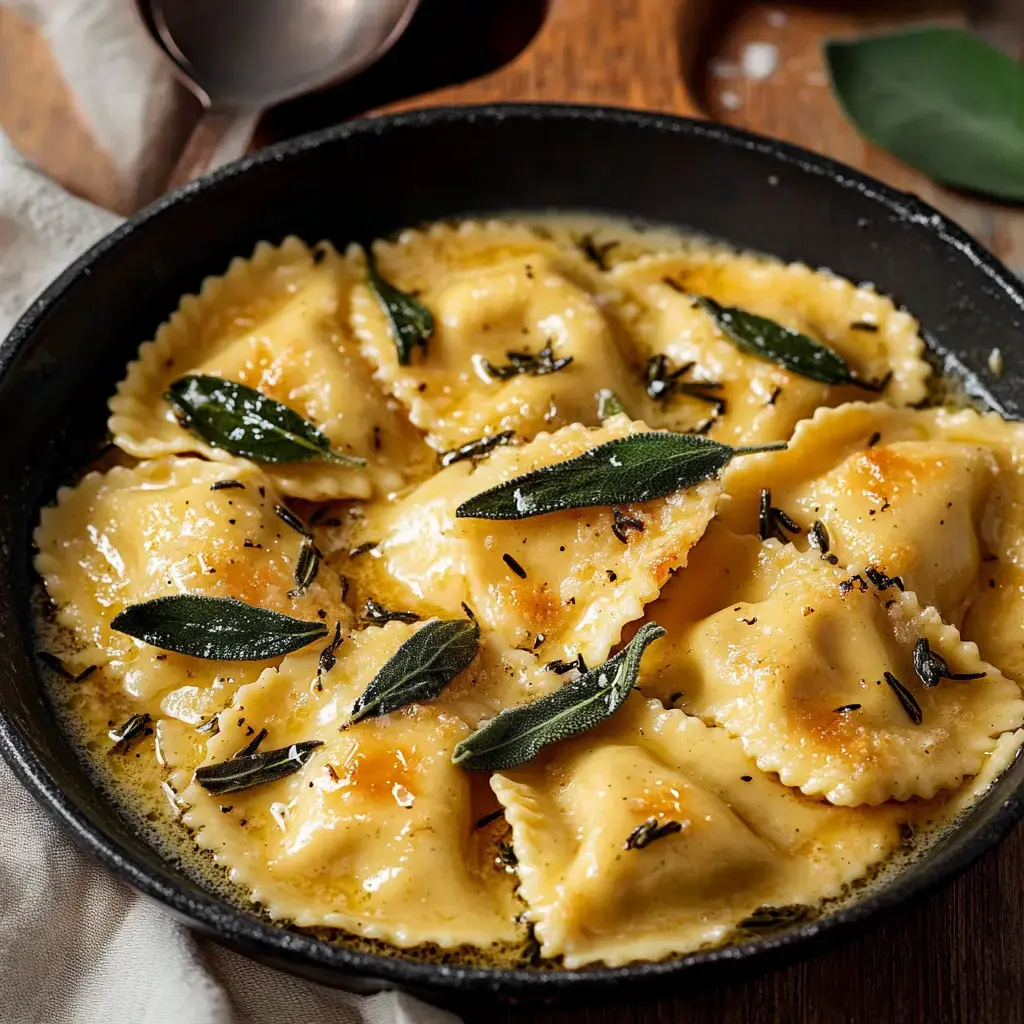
(940, 99)
(516, 734)
(477, 449)
(247, 770)
(306, 567)
(411, 322)
(640, 467)
(520, 363)
(608, 404)
(421, 668)
(216, 628)
(240, 420)
(129, 731)
(793, 351)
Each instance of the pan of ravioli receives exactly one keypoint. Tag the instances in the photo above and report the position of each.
(525, 570)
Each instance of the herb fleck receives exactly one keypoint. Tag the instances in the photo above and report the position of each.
(881, 580)
(514, 566)
(539, 365)
(378, 615)
(931, 668)
(772, 521)
(645, 834)
(906, 699)
(624, 522)
(224, 485)
(289, 518)
(476, 449)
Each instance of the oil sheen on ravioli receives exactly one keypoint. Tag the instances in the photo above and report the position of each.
(376, 834)
(804, 677)
(763, 401)
(130, 535)
(745, 841)
(497, 290)
(276, 323)
(559, 585)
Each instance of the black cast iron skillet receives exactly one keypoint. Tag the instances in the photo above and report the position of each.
(366, 179)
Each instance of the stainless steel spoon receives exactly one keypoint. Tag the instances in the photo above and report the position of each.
(241, 56)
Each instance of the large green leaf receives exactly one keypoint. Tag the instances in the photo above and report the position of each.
(942, 100)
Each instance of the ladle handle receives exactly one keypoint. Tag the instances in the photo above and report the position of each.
(218, 137)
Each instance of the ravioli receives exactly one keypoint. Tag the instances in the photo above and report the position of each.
(762, 401)
(376, 833)
(744, 842)
(275, 323)
(817, 679)
(560, 585)
(130, 535)
(496, 290)
(934, 497)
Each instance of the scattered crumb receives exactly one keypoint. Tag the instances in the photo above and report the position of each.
(759, 61)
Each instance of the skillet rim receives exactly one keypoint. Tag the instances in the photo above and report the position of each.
(272, 944)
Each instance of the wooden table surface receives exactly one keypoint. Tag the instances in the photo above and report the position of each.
(956, 956)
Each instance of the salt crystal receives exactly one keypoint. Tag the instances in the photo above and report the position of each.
(760, 60)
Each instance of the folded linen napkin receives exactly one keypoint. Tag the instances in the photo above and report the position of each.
(76, 946)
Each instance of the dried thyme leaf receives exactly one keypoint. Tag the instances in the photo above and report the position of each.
(242, 421)
(608, 404)
(796, 352)
(411, 322)
(328, 656)
(378, 615)
(515, 735)
(906, 699)
(637, 468)
(216, 628)
(662, 383)
(476, 449)
(289, 518)
(645, 834)
(932, 668)
(421, 668)
(129, 731)
(881, 580)
(772, 522)
(246, 771)
(539, 365)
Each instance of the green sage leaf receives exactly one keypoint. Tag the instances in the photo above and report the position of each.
(940, 99)
(216, 628)
(796, 352)
(247, 770)
(411, 322)
(229, 415)
(608, 404)
(421, 668)
(640, 467)
(515, 735)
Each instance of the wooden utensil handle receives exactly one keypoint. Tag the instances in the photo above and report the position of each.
(633, 53)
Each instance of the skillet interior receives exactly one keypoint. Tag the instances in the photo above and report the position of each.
(363, 180)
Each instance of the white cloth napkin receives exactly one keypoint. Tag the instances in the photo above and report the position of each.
(77, 946)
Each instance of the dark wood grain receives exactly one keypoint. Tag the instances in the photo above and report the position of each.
(957, 956)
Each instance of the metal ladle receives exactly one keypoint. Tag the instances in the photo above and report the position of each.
(241, 56)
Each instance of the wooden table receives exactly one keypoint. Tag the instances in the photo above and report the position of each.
(958, 955)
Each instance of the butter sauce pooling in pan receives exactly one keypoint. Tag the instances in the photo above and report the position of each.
(544, 592)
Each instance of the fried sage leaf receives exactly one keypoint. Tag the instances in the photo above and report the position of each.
(247, 770)
(640, 467)
(129, 731)
(520, 363)
(796, 352)
(216, 628)
(242, 421)
(421, 668)
(608, 404)
(411, 322)
(932, 668)
(516, 734)
(477, 449)
(306, 567)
